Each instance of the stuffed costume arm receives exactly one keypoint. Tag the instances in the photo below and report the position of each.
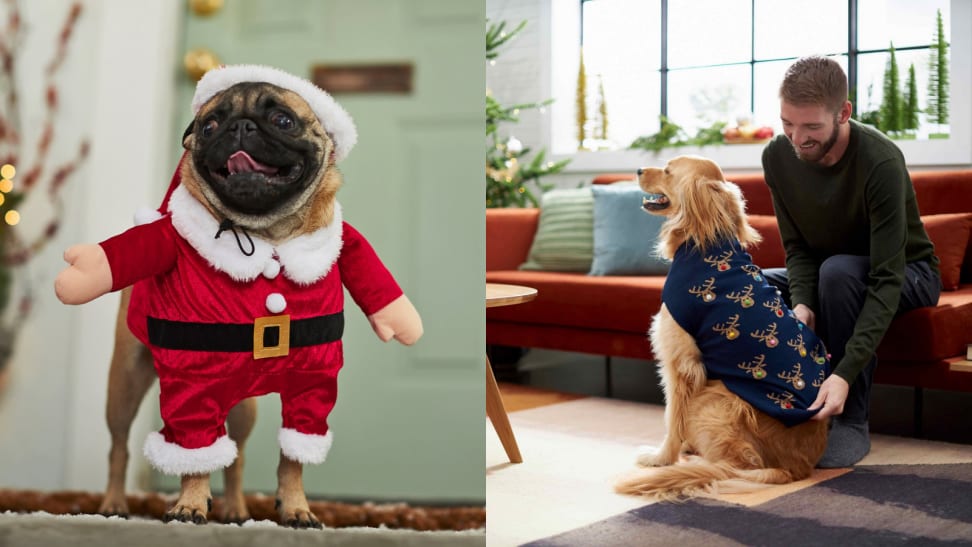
(375, 291)
(94, 270)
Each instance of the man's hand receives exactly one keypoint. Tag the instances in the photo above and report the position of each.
(806, 315)
(87, 277)
(831, 397)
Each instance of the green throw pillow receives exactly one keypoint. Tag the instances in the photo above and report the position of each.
(564, 241)
(624, 234)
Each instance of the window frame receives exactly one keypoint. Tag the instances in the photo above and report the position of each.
(938, 153)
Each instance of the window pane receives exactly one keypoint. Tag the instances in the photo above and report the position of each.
(795, 28)
(904, 22)
(622, 51)
(699, 97)
(870, 88)
(708, 32)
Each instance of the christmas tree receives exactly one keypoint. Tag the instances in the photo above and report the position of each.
(891, 109)
(509, 175)
(937, 108)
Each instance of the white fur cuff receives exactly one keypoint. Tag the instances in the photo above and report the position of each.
(305, 447)
(173, 459)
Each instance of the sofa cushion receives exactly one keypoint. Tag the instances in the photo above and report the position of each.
(614, 303)
(926, 334)
(769, 252)
(564, 240)
(950, 235)
(624, 234)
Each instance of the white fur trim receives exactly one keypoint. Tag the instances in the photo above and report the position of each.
(309, 257)
(146, 215)
(305, 258)
(305, 447)
(271, 270)
(276, 303)
(335, 120)
(173, 459)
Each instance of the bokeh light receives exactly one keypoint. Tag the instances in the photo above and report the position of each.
(12, 217)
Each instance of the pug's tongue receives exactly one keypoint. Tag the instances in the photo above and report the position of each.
(241, 162)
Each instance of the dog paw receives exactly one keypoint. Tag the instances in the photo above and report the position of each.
(189, 512)
(234, 510)
(114, 506)
(651, 456)
(299, 518)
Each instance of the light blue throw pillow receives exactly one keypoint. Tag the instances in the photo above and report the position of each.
(624, 234)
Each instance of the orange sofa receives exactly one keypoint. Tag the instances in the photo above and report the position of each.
(610, 316)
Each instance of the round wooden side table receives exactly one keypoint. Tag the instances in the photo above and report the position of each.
(499, 294)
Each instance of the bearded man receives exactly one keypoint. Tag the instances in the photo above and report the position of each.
(857, 253)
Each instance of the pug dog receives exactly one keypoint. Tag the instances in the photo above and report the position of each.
(237, 291)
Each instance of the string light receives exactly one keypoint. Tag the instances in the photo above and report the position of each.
(8, 172)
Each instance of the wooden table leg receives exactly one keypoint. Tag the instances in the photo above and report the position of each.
(497, 415)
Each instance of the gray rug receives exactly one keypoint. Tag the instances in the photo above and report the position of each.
(878, 505)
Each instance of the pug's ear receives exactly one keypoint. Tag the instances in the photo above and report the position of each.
(187, 137)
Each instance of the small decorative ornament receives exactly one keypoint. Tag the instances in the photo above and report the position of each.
(759, 374)
(772, 341)
(800, 384)
(708, 296)
(747, 302)
(732, 334)
(820, 360)
(803, 352)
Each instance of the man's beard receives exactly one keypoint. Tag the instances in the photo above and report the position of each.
(814, 155)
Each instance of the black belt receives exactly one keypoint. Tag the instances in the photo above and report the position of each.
(270, 336)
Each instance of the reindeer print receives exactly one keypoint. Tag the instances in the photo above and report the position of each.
(767, 336)
(744, 297)
(756, 367)
(753, 271)
(720, 262)
(776, 305)
(730, 328)
(705, 292)
(794, 377)
(797, 344)
(784, 400)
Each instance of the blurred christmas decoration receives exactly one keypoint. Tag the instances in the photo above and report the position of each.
(581, 101)
(509, 174)
(21, 173)
(937, 108)
(672, 135)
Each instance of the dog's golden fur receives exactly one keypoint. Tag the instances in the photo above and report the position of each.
(731, 446)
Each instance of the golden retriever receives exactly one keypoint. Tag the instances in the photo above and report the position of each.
(731, 445)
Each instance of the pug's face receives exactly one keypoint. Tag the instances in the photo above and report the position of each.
(258, 154)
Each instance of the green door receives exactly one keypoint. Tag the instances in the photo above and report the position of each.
(408, 424)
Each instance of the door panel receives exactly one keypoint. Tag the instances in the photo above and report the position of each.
(409, 421)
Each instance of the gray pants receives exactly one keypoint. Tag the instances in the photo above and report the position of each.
(841, 290)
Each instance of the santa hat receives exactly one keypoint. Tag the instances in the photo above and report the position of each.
(335, 120)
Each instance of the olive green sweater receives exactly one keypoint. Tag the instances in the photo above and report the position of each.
(863, 205)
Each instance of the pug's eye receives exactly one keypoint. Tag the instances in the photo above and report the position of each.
(282, 121)
(209, 127)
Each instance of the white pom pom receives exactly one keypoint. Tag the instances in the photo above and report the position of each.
(276, 303)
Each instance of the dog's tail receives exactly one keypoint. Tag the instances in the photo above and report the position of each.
(697, 476)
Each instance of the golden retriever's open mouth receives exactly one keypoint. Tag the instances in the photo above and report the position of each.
(655, 202)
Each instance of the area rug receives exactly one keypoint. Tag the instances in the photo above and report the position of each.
(905, 491)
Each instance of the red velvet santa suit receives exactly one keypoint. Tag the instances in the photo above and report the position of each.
(196, 281)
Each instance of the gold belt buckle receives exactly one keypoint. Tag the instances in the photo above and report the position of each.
(260, 326)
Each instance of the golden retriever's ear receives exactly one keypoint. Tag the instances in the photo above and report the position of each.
(708, 212)
(744, 232)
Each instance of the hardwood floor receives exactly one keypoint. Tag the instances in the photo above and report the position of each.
(545, 377)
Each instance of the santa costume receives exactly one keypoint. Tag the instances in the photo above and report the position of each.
(228, 318)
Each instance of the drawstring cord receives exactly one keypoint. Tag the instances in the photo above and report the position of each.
(228, 224)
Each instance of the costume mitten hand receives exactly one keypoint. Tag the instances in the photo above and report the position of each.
(87, 277)
(399, 320)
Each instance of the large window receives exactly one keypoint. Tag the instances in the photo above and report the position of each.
(700, 62)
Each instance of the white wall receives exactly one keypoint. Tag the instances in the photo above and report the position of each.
(117, 89)
(541, 63)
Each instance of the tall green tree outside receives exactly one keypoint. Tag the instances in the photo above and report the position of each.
(891, 106)
(910, 114)
(937, 108)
